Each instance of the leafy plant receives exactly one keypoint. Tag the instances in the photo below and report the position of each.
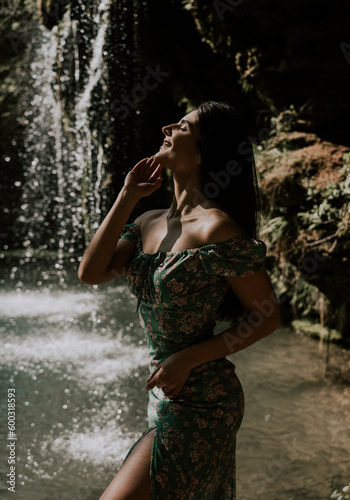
(333, 202)
(275, 228)
(344, 494)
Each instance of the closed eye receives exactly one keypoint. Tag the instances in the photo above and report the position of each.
(187, 123)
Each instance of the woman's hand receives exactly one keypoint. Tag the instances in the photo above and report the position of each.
(144, 178)
(170, 375)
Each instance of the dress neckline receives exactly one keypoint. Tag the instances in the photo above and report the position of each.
(190, 250)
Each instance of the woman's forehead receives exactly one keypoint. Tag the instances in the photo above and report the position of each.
(190, 118)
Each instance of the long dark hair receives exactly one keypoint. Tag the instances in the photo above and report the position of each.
(228, 175)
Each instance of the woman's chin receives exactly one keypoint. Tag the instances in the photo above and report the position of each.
(159, 154)
(162, 158)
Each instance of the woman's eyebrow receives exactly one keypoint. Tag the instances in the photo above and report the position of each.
(186, 121)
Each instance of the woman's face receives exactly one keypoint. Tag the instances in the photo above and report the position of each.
(179, 148)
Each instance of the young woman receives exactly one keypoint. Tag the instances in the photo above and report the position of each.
(189, 265)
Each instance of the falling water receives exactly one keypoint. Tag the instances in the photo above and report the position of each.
(64, 156)
(79, 70)
(84, 136)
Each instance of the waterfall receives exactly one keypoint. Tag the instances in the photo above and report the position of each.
(64, 156)
(75, 142)
(42, 192)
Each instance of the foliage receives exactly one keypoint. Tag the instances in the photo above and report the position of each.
(275, 228)
(305, 222)
(315, 330)
(331, 204)
(344, 494)
(283, 121)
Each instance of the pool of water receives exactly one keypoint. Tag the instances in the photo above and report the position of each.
(77, 359)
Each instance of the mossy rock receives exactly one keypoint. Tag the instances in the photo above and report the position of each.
(316, 330)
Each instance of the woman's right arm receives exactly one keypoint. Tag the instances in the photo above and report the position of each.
(107, 257)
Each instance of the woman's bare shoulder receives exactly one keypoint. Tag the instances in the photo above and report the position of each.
(220, 226)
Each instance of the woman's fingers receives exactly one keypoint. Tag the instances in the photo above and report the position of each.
(167, 391)
(141, 166)
(155, 371)
(158, 379)
(148, 168)
(170, 389)
(156, 173)
(152, 167)
(171, 375)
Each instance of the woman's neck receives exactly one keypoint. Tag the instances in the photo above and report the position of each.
(187, 199)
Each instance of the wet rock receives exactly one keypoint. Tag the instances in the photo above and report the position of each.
(286, 52)
(51, 11)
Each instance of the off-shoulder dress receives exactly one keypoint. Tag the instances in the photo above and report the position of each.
(193, 453)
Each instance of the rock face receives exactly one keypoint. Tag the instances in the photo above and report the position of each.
(287, 53)
(293, 61)
(51, 11)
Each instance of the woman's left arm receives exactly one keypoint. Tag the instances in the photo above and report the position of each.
(257, 295)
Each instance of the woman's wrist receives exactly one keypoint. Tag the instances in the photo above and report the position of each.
(129, 194)
(187, 357)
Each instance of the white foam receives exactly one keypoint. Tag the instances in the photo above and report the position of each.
(98, 446)
(52, 306)
(89, 351)
(102, 371)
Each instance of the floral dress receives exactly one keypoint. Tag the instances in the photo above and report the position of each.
(193, 453)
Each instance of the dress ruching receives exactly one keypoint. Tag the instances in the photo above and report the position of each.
(179, 293)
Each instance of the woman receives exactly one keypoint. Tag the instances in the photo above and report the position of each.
(189, 265)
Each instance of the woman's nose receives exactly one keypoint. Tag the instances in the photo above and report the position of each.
(167, 130)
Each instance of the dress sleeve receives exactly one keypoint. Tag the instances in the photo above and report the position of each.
(131, 232)
(237, 257)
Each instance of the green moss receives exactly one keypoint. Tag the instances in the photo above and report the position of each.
(315, 330)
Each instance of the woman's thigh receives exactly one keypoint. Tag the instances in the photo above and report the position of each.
(132, 481)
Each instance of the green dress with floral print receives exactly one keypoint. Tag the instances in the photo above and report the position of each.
(193, 453)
